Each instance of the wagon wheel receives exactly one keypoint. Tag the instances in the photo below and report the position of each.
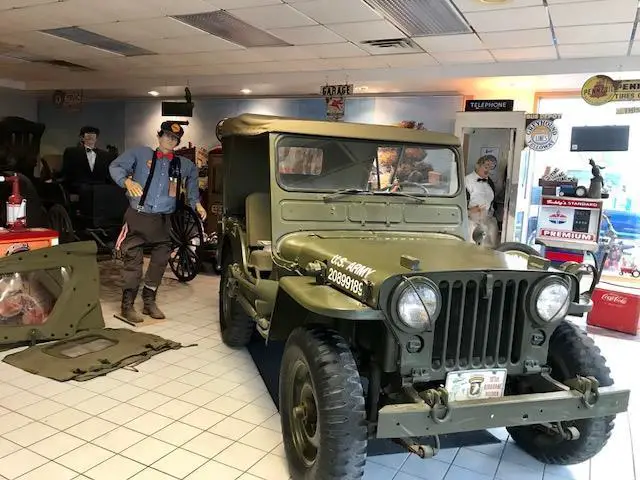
(59, 220)
(186, 238)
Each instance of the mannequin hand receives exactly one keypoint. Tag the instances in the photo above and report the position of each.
(201, 211)
(134, 188)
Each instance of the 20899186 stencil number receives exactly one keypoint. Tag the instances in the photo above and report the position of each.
(345, 281)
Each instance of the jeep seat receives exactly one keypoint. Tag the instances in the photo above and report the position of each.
(258, 225)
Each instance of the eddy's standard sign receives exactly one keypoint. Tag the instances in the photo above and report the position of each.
(601, 89)
(569, 220)
(349, 276)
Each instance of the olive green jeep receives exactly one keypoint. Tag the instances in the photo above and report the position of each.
(350, 242)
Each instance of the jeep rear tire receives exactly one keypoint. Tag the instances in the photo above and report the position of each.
(322, 407)
(236, 327)
(571, 353)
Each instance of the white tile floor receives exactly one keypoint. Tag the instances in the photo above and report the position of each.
(204, 413)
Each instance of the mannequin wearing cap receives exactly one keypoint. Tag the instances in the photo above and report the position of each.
(480, 199)
(151, 178)
(85, 163)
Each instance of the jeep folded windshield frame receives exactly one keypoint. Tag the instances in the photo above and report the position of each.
(354, 166)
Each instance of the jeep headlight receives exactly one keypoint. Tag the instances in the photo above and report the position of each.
(552, 300)
(417, 304)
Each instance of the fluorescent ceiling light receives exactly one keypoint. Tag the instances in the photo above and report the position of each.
(85, 37)
(153, 93)
(246, 91)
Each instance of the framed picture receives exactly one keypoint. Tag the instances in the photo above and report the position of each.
(495, 151)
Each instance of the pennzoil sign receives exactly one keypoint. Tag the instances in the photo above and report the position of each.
(601, 89)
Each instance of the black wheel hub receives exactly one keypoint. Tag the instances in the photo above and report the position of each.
(304, 416)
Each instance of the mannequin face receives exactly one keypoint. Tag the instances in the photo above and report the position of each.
(484, 169)
(89, 140)
(167, 142)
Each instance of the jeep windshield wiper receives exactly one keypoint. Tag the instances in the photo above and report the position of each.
(402, 194)
(346, 191)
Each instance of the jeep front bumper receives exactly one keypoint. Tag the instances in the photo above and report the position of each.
(417, 419)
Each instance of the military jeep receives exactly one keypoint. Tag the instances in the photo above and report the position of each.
(349, 242)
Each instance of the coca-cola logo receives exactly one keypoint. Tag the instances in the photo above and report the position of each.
(613, 298)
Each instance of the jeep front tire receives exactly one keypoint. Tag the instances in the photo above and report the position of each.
(571, 353)
(322, 407)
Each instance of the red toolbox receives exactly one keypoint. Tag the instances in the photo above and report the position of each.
(615, 308)
(24, 240)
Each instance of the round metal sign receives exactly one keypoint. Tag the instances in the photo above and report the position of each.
(598, 90)
(541, 135)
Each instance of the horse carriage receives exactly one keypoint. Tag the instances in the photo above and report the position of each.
(94, 211)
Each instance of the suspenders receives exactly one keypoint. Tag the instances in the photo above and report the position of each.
(174, 173)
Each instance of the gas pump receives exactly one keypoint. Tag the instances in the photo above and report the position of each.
(16, 205)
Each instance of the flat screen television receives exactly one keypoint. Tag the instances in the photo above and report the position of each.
(608, 138)
(177, 109)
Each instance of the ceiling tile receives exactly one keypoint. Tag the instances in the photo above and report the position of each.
(283, 53)
(616, 32)
(540, 37)
(590, 13)
(336, 50)
(363, 63)
(593, 50)
(314, 34)
(410, 60)
(274, 16)
(476, 6)
(362, 31)
(337, 11)
(226, 4)
(509, 19)
(193, 44)
(524, 54)
(450, 43)
(8, 4)
(476, 56)
(182, 7)
(238, 56)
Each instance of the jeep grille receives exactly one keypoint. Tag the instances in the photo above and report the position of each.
(477, 332)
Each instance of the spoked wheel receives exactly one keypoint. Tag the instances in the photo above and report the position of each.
(186, 238)
(59, 220)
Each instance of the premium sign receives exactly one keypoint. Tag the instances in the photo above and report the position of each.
(569, 220)
(488, 106)
(601, 89)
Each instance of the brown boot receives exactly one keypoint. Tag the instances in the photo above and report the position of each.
(150, 306)
(127, 308)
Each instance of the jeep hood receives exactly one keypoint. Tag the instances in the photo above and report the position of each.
(382, 253)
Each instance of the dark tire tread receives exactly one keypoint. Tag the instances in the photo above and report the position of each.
(341, 405)
(238, 331)
(582, 357)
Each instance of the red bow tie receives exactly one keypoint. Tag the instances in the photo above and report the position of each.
(160, 155)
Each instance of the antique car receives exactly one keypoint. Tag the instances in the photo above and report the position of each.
(349, 242)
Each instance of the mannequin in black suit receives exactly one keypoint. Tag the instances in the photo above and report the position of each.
(85, 164)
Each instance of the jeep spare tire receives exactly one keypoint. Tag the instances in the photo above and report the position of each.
(236, 327)
(322, 407)
(571, 353)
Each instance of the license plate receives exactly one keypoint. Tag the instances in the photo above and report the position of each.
(476, 384)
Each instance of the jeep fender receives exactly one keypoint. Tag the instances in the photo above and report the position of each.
(300, 300)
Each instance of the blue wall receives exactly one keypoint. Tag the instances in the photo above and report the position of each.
(135, 122)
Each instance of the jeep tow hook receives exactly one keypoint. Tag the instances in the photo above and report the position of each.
(588, 387)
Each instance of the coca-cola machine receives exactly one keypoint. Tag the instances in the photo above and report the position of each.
(615, 308)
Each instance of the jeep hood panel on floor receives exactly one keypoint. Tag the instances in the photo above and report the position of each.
(382, 253)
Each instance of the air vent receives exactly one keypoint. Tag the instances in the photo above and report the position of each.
(422, 18)
(85, 37)
(64, 64)
(226, 26)
(391, 43)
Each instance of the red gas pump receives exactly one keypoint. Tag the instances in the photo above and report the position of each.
(16, 205)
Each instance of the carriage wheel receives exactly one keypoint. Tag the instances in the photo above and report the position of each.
(59, 220)
(186, 238)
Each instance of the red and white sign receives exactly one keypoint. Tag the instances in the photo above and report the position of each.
(569, 222)
(615, 308)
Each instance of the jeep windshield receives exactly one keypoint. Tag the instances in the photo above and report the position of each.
(353, 167)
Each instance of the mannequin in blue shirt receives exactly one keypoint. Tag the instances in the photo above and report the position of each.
(147, 220)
